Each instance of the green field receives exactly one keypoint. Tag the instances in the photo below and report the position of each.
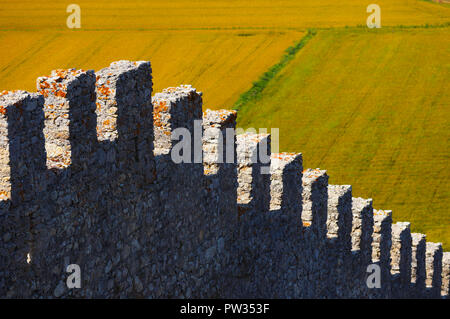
(373, 108)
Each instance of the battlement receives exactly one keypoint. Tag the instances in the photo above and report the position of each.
(152, 197)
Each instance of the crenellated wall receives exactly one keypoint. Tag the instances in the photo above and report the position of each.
(92, 173)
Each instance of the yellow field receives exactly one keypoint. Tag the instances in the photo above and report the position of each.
(219, 63)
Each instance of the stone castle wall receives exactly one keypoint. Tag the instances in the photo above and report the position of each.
(87, 178)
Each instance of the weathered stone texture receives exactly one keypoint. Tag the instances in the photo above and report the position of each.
(446, 275)
(381, 250)
(284, 251)
(401, 259)
(433, 260)
(154, 198)
(22, 165)
(418, 269)
(362, 229)
(314, 234)
(339, 227)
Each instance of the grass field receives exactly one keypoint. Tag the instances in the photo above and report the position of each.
(373, 108)
(370, 106)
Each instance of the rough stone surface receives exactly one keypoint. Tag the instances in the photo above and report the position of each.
(381, 247)
(88, 177)
(362, 229)
(446, 275)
